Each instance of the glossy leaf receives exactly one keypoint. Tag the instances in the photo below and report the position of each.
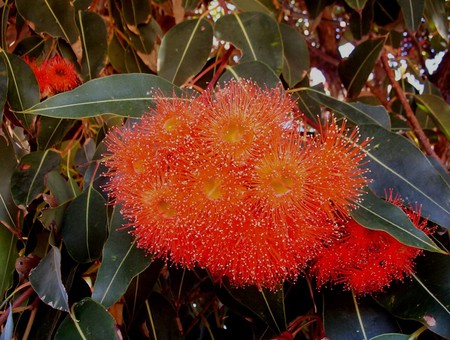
(93, 37)
(93, 323)
(264, 6)
(28, 180)
(358, 113)
(52, 131)
(116, 53)
(84, 227)
(121, 262)
(377, 214)
(8, 256)
(295, 55)
(435, 12)
(438, 109)
(396, 163)
(136, 12)
(342, 322)
(3, 86)
(256, 34)
(254, 70)
(355, 70)
(316, 7)
(124, 95)
(47, 283)
(8, 330)
(357, 5)
(55, 17)
(412, 12)
(184, 50)
(427, 297)
(391, 336)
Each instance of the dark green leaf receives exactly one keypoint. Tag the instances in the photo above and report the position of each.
(427, 297)
(93, 323)
(144, 36)
(377, 214)
(134, 64)
(93, 37)
(23, 90)
(361, 22)
(46, 281)
(124, 95)
(256, 34)
(136, 12)
(84, 227)
(315, 7)
(412, 12)
(31, 46)
(357, 5)
(81, 5)
(307, 105)
(358, 113)
(396, 163)
(55, 17)
(391, 336)
(355, 70)
(438, 109)
(349, 318)
(3, 86)
(435, 12)
(264, 6)
(8, 256)
(52, 131)
(163, 317)
(121, 262)
(28, 180)
(295, 55)
(59, 187)
(184, 50)
(116, 54)
(254, 70)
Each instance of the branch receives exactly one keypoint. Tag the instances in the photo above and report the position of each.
(410, 116)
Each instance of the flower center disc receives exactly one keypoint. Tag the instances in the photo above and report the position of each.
(281, 185)
(212, 189)
(166, 209)
(233, 133)
(171, 124)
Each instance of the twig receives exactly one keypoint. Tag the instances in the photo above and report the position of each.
(410, 116)
(16, 303)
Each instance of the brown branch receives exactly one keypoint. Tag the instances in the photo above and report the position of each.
(410, 116)
(21, 299)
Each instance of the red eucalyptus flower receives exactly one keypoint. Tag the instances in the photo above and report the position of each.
(228, 182)
(367, 261)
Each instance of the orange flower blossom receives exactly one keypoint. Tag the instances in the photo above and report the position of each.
(228, 181)
(367, 261)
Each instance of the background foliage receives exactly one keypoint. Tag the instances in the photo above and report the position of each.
(63, 256)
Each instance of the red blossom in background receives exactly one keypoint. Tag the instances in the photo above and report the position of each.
(367, 261)
(228, 182)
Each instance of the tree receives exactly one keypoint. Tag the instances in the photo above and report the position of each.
(77, 81)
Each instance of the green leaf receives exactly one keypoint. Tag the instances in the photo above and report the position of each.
(254, 70)
(164, 318)
(438, 109)
(81, 5)
(8, 256)
(256, 34)
(357, 5)
(306, 103)
(93, 322)
(396, 163)
(116, 53)
(315, 7)
(412, 12)
(55, 17)
(377, 214)
(136, 12)
(435, 12)
(121, 262)
(427, 297)
(391, 336)
(23, 90)
(84, 227)
(184, 50)
(3, 86)
(295, 55)
(46, 281)
(349, 318)
(28, 180)
(355, 70)
(124, 95)
(358, 113)
(93, 37)
(59, 187)
(264, 6)
(52, 131)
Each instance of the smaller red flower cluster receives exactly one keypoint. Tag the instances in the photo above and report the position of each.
(54, 75)
(367, 261)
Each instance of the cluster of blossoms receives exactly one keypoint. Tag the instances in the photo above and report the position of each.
(54, 75)
(230, 181)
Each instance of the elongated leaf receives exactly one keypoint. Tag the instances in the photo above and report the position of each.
(55, 17)
(358, 113)
(377, 214)
(52, 131)
(3, 86)
(342, 322)
(396, 163)
(357, 5)
(8, 330)
(136, 12)
(93, 323)
(391, 336)
(84, 227)
(184, 50)
(355, 70)
(435, 12)
(254, 70)
(295, 55)
(27, 181)
(46, 281)
(124, 95)
(264, 6)
(256, 34)
(427, 298)
(438, 109)
(121, 262)
(412, 12)
(315, 7)
(93, 37)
